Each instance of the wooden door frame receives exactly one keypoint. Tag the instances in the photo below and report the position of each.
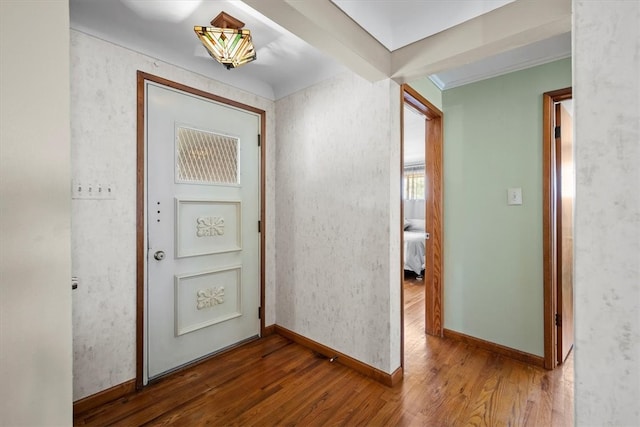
(433, 212)
(549, 223)
(141, 251)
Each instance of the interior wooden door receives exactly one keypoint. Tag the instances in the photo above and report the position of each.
(433, 249)
(565, 190)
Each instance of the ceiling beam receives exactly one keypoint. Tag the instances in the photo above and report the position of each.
(324, 26)
(513, 25)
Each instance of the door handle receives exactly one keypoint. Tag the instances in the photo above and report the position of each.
(159, 255)
(427, 236)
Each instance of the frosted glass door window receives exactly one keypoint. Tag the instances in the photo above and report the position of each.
(206, 157)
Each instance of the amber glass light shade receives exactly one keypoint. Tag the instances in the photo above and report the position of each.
(226, 42)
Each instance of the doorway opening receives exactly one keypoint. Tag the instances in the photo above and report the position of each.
(421, 208)
(558, 207)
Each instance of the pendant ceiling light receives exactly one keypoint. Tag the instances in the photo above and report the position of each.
(226, 42)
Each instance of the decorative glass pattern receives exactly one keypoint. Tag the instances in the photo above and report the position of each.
(206, 157)
(230, 47)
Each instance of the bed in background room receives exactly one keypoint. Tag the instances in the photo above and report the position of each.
(414, 241)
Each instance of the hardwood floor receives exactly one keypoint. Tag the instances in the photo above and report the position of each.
(273, 381)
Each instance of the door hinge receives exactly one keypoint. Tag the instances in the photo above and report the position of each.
(259, 140)
(259, 312)
(557, 131)
(259, 226)
(558, 320)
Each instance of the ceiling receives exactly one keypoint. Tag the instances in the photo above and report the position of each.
(397, 23)
(300, 43)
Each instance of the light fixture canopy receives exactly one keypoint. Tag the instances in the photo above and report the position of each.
(226, 42)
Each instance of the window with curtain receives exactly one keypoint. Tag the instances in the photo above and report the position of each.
(414, 182)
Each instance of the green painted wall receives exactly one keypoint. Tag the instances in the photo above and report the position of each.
(493, 252)
(429, 90)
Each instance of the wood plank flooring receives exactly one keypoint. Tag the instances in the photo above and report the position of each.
(273, 381)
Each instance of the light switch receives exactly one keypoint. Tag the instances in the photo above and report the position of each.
(514, 196)
(77, 189)
(92, 190)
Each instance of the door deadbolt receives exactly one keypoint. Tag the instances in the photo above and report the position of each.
(159, 255)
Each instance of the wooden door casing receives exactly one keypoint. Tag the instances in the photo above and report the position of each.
(564, 239)
(433, 280)
(550, 225)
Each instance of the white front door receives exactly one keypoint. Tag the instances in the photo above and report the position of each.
(203, 272)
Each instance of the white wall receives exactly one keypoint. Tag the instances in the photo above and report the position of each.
(607, 263)
(35, 292)
(338, 203)
(103, 149)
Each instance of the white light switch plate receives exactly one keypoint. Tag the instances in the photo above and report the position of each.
(92, 190)
(514, 196)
